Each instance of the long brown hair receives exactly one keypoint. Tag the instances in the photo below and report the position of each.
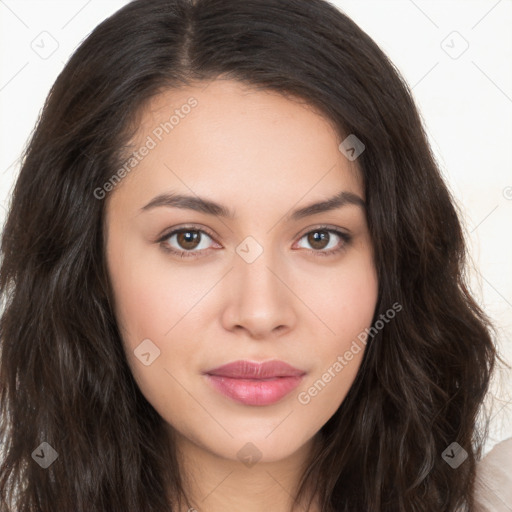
(64, 379)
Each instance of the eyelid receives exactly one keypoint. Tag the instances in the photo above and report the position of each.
(169, 232)
(326, 227)
(345, 236)
(200, 227)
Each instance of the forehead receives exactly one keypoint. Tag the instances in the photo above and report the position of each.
(230, 141)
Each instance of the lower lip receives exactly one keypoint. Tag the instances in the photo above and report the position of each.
(252, 391)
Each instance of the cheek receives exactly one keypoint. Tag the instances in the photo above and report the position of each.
(157, 303)
(151, 298)
(150, 307)
(344, 299)
(346, 305)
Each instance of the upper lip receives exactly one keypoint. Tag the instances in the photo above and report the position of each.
(253, 370)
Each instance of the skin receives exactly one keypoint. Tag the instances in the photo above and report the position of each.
(263, 156)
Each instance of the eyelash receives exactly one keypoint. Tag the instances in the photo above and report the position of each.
(346, 239)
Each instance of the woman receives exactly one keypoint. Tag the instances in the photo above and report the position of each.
(234, 277)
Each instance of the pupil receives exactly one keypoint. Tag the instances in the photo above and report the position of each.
(317, 237)
(190, 237)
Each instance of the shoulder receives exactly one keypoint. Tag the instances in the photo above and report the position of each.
(493, 488)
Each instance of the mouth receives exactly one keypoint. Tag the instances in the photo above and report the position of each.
(252, 383)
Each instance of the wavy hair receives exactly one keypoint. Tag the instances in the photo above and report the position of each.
(64, 378)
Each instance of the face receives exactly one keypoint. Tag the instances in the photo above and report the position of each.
(257, 278)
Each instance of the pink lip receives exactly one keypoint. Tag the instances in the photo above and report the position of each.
(255, 383)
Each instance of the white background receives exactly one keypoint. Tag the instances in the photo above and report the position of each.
(455, 55)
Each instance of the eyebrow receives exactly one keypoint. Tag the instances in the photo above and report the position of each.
(210, 207)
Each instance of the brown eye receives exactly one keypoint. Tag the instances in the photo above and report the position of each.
(188, 239)
(186, 242)
(325, 241)
(318, 239)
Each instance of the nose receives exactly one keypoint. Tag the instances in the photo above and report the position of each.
(261, 301)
